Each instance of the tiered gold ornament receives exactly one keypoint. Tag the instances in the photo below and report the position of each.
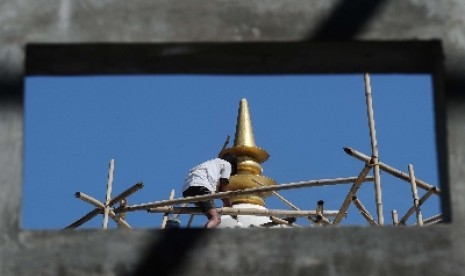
(249, 159)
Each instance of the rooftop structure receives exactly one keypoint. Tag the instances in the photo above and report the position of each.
(249, 188)
(249, 172)
(82, 38)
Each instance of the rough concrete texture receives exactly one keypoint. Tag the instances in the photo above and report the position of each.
(325, 24)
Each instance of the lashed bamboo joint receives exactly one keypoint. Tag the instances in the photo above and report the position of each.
(394, 172)
(99, 210)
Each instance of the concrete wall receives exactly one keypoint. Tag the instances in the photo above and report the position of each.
(324, 35)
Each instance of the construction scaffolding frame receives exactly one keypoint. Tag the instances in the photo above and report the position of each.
(317, 217)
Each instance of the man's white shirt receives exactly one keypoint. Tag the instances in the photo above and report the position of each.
(207, 174)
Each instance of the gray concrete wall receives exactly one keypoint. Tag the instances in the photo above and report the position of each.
(326, 24)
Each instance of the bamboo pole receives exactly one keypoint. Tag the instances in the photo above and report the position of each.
(131, 190)
(284, 200)
(320, 182)
(101, 207)
(320, 217)
(191, 219)
(433, 220)
(241, 211)
(374, 150)
(176, 216)
(87, 198)
(279, 220)
(395, 172)
(395, 218)
(415, 195)
(352, 192)
(97, 211)
(165, 216)
(422, 200)
(122, 203)
(84, 218)
(108, 194)
(280, 197)
(363, 211)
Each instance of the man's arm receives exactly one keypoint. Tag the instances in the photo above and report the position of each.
(223, 188)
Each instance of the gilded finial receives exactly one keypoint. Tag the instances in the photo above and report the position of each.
(249, 171)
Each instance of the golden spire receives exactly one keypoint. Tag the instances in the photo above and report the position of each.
(249, 156)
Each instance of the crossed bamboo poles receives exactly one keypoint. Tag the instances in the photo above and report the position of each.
(319, 216)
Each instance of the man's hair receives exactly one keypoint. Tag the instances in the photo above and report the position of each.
(232, 160)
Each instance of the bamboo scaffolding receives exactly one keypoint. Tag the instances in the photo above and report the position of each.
(320, 207)
(108, 194)
(96, 203)
(422, 200)
(241, 211)
(122, 203)
(165, 216)
(131, 190)
(415, 195)
(283, 199)
(84, 218)
(394, 172)
(191, 219)
(280, 197)
(374, 150)
(352, 192)
(312, 183)
(97, 211)
(363, 211)
(320, 217)
(279, 220)
(176, 216)
(433, 220)
(395, 218)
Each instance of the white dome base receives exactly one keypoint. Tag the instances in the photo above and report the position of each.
(245, 221)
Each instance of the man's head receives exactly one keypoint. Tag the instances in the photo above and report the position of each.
(232, 160)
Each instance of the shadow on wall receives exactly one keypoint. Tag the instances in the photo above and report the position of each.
(170, 252)
(347, 20)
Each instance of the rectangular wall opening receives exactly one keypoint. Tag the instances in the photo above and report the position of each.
(159, 118)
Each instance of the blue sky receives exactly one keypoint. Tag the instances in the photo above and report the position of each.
(158, 127)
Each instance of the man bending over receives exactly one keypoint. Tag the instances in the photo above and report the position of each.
(203, 179)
